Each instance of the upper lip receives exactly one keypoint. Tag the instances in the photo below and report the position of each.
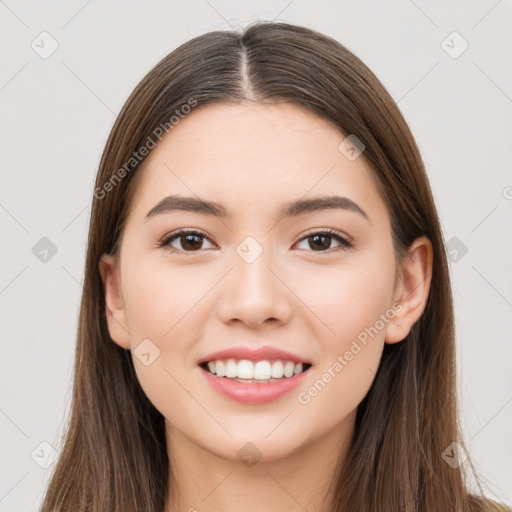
(253, 354)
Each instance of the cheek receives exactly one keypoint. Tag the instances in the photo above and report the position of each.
(166, 305)
(347, 299)
(160, 298)
(162, 305)
(352, 301)
(350, 304)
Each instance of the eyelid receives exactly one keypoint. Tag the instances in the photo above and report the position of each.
(183, 231)
(346, 242)
(328, 231)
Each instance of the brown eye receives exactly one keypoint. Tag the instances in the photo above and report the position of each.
(321, 241)
(190, 241)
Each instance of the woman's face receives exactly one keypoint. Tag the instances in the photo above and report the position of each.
(254, 283)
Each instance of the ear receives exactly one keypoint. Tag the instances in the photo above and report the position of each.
(413, 289)
(114, 307)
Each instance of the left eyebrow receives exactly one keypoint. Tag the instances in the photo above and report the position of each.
(302, 206)
(291, 209)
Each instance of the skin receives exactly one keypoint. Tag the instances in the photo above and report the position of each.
(310, 301)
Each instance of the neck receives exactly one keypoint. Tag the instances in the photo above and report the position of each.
(203, 481)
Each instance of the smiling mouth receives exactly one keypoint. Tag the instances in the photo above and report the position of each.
(254, 372)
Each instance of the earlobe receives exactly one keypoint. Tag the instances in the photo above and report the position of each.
(114, 307)
(413, 291)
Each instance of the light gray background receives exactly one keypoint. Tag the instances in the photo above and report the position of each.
(57, 113)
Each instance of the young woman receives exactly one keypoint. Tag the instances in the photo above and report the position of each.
(267, 319)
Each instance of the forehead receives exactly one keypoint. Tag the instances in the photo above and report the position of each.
(256, 154)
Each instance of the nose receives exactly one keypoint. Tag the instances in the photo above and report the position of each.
(254, 293)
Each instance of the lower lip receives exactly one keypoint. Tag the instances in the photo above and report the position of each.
(252, 393)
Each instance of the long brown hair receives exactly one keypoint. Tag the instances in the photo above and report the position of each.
(114, 454)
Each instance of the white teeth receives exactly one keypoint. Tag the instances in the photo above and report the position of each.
(245, 369)
(231, 370)
(260, 370)
(277, 370)
(220, 368)
(288, 368)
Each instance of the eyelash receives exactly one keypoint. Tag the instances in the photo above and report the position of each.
(345, 243)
